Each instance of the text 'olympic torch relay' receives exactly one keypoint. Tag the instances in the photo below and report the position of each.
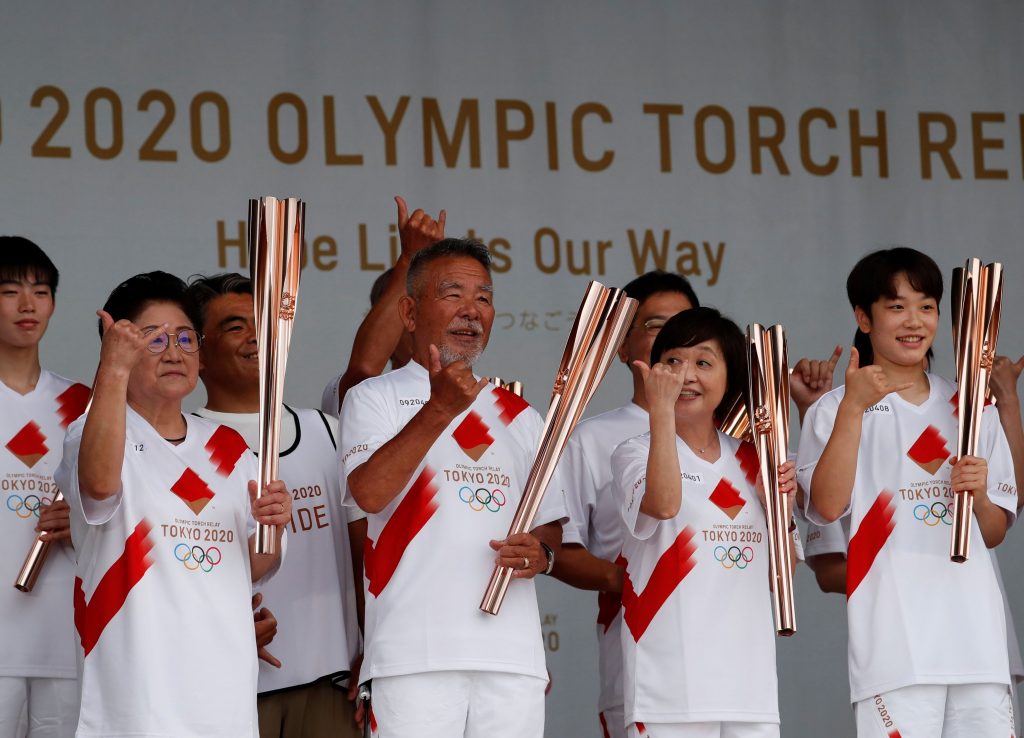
(601, 324)
(275, 247)
(768, 409)
(977, 301)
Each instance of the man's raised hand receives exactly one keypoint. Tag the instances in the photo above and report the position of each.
(812, 378)
(419, 230)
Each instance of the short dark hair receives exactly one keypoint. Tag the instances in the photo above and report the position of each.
(874, 277)
(653, 282)
(701, 324)
(201, 290)
(379, 285)
(21, 258)
(132, 296)
(448, 247)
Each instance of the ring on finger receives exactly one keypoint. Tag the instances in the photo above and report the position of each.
(526, 563)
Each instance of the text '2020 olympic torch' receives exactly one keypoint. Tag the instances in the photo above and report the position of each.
(768, 408)
(977, 301)
(275, 247)
(601, 324)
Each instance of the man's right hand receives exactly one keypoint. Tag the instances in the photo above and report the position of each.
(266, 628)
(452, 388)
(419, 230)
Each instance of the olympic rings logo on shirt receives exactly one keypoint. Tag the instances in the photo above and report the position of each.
(27, 506)
(734, 557)
(196, 557)
(932, 515)
(481, 498)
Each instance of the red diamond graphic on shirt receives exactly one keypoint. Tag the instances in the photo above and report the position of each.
(225, 447)
(727, 499)
(508, 404)
(473, 436)
(71, 403)
(193, 491)
(28, 444)
(955, 402)
(929, 451)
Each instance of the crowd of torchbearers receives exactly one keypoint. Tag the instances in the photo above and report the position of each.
(369, 569)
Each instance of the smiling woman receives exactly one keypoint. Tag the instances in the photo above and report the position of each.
(692, 513)
(159, 505)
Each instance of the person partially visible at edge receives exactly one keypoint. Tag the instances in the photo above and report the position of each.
(438, 458)
(38, 673)
(879, 451)
(381, 337)
(301, 686)
(163, 513)
(695, 604)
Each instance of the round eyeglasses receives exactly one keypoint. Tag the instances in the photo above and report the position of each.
(186, 339)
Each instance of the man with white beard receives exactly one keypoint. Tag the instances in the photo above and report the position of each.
(438, 459)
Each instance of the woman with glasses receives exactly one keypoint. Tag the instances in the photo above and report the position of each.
(162, 524)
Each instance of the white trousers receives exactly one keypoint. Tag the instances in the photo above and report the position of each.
(703, 730)
(38, 707)
(450, 704)
(937, 711)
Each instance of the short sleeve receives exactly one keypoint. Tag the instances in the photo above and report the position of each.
(993, 446)
(329, 399)
(553, 507)
(366, 425)
(92, 511)
(629, 481)
(814, 436)
(826, 539)
(578, 483)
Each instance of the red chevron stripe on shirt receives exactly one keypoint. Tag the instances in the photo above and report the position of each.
(874, 530)
(673, 566)
(91, 617)
(413, 512)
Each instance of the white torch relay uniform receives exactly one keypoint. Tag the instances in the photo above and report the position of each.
(698, 638)
(162, 596)
(38, 672)
(312, 595)
(834, 538)
(596, 524)
(904, 596)
(428, 561)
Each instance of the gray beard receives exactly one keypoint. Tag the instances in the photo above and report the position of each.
(450, 356)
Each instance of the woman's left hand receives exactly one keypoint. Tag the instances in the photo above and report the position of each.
(274, 506)
(787, 485)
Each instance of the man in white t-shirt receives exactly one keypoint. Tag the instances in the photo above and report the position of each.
(593, 539)
(38, 674)
(313, 595)
(438, 459)
(381, 337)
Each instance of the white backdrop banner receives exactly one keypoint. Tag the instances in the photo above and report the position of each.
(760, 148)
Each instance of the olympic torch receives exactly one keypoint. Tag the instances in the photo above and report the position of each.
(275, 247)
(977, 303)
(35, 559)
(768, 409)
(512, 385)
(601, 324)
